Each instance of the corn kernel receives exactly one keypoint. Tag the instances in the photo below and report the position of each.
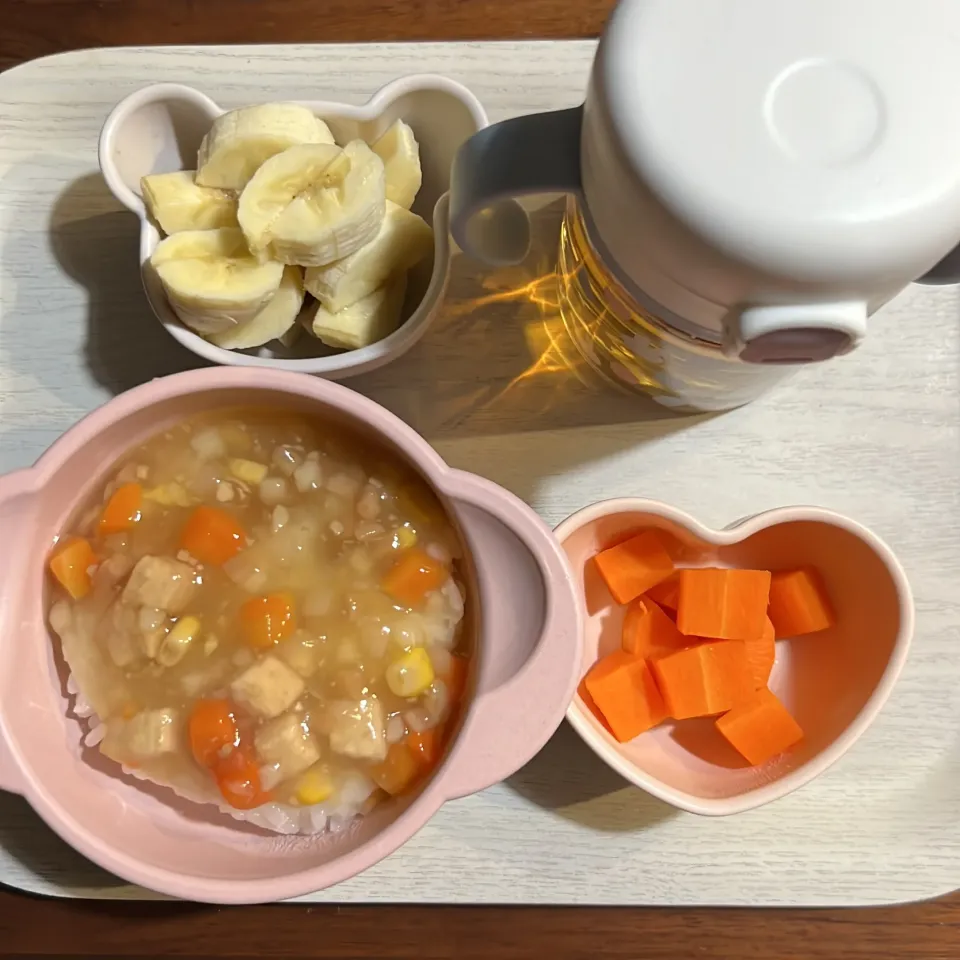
(411, 674)
(175, 643)
(168, 495)
(315, 786)
(249, 471)
(405, 537)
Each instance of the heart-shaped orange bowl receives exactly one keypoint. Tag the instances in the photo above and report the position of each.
(833, 682)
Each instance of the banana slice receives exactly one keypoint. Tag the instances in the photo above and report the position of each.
(177, 203)
(368, 320)
(211, 279)
(334, 216)
(277, 184)
(400, 153)
(403, 240)
(273, 322)
(241, 140)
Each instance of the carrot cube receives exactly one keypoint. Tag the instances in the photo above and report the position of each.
(123, 509)
(70, 563)
(624, 691)
(413, 576)
(760, 728)
(798, 603)
(212, 536)
(704, 680)
(761, 654)
(723, 604)
(634, 566)
(266, 621)
(648, 632)
(666, 593)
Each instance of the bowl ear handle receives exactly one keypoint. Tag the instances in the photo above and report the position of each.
(146, 132)
(529, 635)
(16, 490)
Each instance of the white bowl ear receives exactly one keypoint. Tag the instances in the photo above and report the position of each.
(156, 130)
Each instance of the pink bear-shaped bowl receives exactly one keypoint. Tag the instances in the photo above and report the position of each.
(523, 619)
(833, 682)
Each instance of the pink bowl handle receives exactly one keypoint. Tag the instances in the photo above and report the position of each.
(529, 635)
(16, 492)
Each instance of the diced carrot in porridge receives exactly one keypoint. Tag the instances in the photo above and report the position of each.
(122, 510)
(398, 771)
(70, 563)
(413, 576)
(212, 535)
(268, 620)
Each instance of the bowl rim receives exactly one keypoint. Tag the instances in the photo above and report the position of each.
(579, 717)
(338, 365)
(457, 777)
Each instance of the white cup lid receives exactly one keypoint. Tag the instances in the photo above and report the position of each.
(813, 139)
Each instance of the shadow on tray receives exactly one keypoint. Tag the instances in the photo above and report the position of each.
(569, 780)
(25, 837)
(493, 384)
(125, 344)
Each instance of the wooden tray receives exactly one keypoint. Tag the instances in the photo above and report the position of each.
(496, 388)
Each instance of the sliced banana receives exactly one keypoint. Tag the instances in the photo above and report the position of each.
(178, 203)
(277, 184)
(368, 320)
(241, 140)
(400, 153)
(403, 240)
(273, 322)
(212, 280)
(335, 216)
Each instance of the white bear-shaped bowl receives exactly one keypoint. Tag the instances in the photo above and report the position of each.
(159, 128)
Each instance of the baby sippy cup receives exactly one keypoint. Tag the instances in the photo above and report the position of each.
(748, 181)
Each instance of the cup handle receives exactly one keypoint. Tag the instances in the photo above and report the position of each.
(16, 489)
(539, 153)
(528, 656)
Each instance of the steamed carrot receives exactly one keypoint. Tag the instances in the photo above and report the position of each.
(212, 536)
(268, 620)
(413, 576)
(625, 692)
(648, 632)
(238, 777)
(723, 604)
(70, 563)
(634, 566)
(398, 771)
(798, 603)
(666, 593)
(212, 731)
(760, 728)
(122, 510)
(455, 676)
(761, 654)
(704, 680)
(425, 746)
